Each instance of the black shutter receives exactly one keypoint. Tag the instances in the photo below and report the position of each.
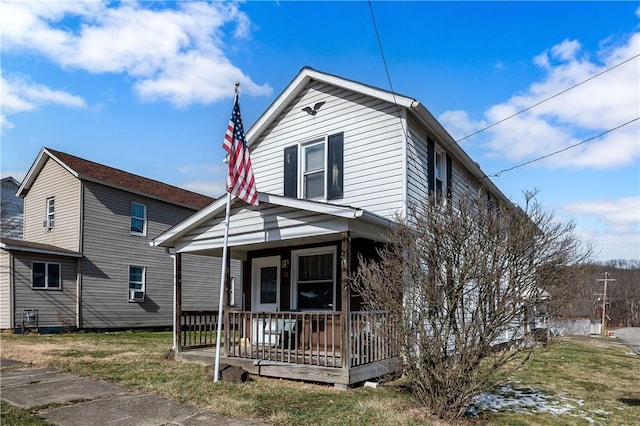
(431, 165)
(291, 171)
(335, 178)
(449, 177)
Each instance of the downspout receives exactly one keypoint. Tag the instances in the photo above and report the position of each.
(173, 326)
(79, 261)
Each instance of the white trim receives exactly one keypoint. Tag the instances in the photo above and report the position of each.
(294, 271)
(256, 264)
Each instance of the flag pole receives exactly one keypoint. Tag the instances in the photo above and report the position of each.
(223, 276)
(222, 286)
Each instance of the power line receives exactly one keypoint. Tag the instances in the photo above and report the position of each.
(547, 99)
(497, 174)
(393, 93)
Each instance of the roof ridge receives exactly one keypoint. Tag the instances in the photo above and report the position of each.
(92, 170)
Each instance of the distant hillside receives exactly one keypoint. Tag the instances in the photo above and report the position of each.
(623, 294)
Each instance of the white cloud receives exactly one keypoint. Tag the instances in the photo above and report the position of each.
(205, 187)
(175, 54)
(590, 109)
(619, 237)
(19, 94)
(618, 212)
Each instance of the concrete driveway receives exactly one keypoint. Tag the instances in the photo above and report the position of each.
(630, 336)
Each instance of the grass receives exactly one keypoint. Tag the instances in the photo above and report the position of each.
(600, 379)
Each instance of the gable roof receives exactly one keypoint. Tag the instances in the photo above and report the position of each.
(412, 106)
(267, 201)
(109, 176)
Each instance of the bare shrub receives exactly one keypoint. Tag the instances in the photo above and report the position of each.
(464, 280)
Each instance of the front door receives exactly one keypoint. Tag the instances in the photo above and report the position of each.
(265, 284)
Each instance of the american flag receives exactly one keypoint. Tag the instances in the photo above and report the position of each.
(240, 181)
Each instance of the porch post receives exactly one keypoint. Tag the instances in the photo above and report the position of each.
(177, 320)
(345, 259)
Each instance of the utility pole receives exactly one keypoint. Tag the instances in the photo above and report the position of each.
(605, 280)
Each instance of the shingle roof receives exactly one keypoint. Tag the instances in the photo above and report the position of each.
(110, 176)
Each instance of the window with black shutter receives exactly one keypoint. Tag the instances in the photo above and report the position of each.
(315, 169)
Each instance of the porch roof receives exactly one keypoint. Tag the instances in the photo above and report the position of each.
(275, 222)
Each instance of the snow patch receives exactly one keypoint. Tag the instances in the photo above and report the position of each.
(531, 401)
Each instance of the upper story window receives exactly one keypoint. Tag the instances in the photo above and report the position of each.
(439, 172)
(138, 219)
(314, 170)
(45, 275)
(313, 167)
(50, 213)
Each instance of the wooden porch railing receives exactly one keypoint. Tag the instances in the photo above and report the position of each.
(373, 337)
(198, 329)
(313, 338)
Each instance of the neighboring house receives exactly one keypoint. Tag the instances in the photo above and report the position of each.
(11, 209)
(334, 161)
(86, 261)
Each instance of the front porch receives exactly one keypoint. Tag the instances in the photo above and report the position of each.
(297, 318)
(310, 346)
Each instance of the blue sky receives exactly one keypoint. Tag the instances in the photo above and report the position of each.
(147, 87)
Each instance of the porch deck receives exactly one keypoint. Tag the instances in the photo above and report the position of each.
(311, 346)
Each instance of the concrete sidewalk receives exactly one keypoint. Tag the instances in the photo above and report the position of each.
(96, 402)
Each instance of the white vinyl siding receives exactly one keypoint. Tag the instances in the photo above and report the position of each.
(55, 182)
(373, 138)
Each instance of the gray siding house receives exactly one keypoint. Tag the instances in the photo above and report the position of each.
(86, 261)
(334, 161)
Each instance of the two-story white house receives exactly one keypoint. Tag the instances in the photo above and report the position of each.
(86, 261)
(334, 161)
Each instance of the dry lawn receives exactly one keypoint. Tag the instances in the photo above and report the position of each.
(602, 376)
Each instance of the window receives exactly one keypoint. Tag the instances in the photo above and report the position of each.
(138, 219)
(136, 283)
(50, 213)
(45, 275)
(313, 274)
(314, 170)
(136, 278)
(439, 172)
(313, 165)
